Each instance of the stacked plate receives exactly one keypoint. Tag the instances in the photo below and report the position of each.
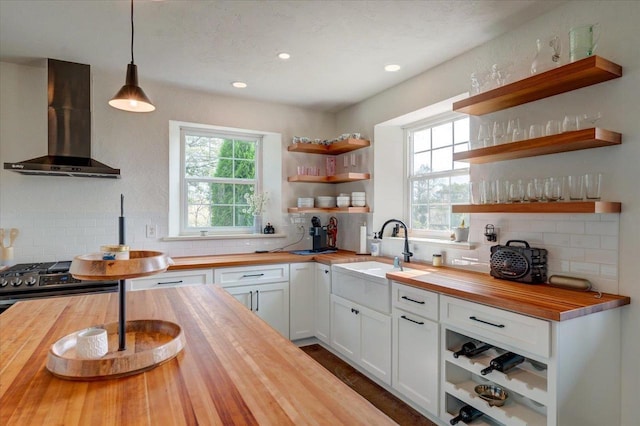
(358, 199)
(305, 202)
(325, 202)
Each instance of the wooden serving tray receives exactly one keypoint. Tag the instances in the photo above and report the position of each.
(141, 263)
(149, 344)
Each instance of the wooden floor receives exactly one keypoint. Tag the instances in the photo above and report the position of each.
(383, 400)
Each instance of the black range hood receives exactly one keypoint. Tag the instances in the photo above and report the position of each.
(69, 125)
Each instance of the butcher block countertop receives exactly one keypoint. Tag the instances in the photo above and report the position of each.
(540, 300)
(234, 369)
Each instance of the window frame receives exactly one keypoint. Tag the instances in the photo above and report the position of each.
(410, 178)
(184, 229)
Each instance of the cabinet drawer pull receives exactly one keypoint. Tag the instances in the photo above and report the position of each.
(486, 322)
(355, 311)
(170, 282)
(251, 300)
(411, 300)
(414, 321)
(252, 275)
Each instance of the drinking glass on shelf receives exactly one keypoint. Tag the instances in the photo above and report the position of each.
(570, 123)
(519, 135)
(535, 190)
(487, 187)
(516, 191)
(592, 183)
(536, 131)
(498, 133)
(587, 121)
(553, 128)
(484, 135)
(474, 192)
(576, 188)
(501, 188)
(552, 189)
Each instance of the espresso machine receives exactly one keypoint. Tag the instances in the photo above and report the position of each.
(318, 235)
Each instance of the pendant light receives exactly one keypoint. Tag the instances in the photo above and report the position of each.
(131, 97)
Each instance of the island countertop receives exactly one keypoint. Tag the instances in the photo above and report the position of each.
(234, 369)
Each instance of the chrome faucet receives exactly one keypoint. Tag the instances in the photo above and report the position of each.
(407, 254)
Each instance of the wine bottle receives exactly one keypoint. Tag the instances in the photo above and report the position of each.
(466, 414)
(470, 350)
(503, 363)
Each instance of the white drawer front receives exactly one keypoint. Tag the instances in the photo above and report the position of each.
(416, 300)
(172, 279)
(519, 331)
(246, 275)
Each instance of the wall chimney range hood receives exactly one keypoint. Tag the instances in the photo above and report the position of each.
(69, 127)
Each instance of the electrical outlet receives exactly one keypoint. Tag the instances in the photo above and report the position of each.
(300, 229)
(152, 231)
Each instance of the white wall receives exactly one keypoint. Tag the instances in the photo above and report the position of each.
(60, 217)
(618, 101)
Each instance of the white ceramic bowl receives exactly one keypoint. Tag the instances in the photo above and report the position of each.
(343, 201)
(358, 203)
(325, 202)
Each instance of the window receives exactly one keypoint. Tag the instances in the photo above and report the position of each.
(435, 181)
(218, 169)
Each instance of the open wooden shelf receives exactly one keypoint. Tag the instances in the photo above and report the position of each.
(582, 73)
(541, 207)
(328, 210)
(339, 178)
(564, 142)
(335, 148)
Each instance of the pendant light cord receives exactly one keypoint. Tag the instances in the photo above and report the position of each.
(131, 31)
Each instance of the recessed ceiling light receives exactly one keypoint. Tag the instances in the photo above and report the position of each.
(392, 68)
(239, 84)
(284, 55)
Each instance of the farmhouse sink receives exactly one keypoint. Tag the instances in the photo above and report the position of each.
(364, 283)
(376, 269)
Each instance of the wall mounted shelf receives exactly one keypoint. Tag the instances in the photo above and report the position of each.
(329, 210)
(541, 207)
(582, 73)
(339, 178)
(335, 148)
(564, 142)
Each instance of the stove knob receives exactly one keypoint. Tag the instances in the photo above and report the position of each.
(3, 282)
(16, 281)
(30, 281)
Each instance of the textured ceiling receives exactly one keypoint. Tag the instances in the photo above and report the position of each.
(338, 48)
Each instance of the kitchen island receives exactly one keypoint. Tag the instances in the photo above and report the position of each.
(234, 369)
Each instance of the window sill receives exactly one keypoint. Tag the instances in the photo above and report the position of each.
(221, 237)
(447, 243)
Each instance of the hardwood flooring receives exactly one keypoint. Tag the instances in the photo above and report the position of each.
(383, 400)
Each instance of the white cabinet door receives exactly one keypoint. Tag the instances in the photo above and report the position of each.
(363, 335)
(375, 343)
(171, 279)
(415, 359)
(301, 293)
(345, 327)
(322, 310)
(269, 301)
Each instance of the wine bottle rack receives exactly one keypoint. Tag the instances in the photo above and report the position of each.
(526, 384)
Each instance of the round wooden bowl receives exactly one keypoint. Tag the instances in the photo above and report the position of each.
(149, 344)
(140, 264)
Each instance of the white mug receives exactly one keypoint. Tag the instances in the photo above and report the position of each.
(92, 343)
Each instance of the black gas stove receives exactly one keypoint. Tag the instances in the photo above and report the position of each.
(47, 279)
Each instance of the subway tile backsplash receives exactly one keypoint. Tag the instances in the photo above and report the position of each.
(582, 245)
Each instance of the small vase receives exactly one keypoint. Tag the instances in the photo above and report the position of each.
(257, 224)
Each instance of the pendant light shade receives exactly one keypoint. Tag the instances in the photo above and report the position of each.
(131, 97)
